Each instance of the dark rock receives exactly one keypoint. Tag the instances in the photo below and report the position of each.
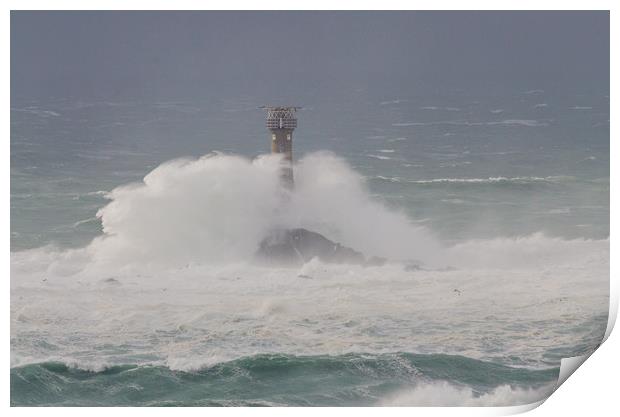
(298, 246)
(412, 267)
(375, 261)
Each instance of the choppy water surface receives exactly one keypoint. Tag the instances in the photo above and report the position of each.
(493, 211)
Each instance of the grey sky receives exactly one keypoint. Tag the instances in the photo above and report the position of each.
(207, 54)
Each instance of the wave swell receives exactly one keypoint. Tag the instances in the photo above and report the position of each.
(352, 379)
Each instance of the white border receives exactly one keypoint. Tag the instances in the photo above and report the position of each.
(591, 390)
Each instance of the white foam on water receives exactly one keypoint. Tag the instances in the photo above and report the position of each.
(518, 122)
(446, 395)
(396, 101)
(507, 122)
(37, 111)
(382, 157)
(171, 280)
(440, 108)
(489, 180)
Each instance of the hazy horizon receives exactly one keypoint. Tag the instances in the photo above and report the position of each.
(290, 55)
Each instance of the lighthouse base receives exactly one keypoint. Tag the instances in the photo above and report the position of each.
(294, 247)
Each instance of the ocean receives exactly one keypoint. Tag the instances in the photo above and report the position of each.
(134, 225)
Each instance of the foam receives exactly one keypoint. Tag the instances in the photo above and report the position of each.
(171, 280)
(440, 108)
(507, 122)
(216, 210)
(396, 101)
(444, 394)
(36, 111)
(490, 180)
(382, 157)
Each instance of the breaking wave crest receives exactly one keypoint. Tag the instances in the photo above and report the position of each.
(170, 288)
(444, 394)
(216, 210)
(508, 122)
(489, 180)
(352, 379)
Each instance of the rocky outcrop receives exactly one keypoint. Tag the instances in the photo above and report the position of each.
(298, 246)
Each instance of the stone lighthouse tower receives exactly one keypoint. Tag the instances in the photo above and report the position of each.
(281, 121)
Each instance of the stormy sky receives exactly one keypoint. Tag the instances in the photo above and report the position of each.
(285, 54)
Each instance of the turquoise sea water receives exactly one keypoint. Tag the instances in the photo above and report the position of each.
(269, 380)
(493, 211)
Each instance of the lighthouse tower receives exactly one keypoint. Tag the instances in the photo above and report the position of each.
(281, 121)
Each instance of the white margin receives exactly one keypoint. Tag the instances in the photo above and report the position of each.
(592, 391)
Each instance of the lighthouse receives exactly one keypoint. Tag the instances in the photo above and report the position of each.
(284, 246)
(281, 122)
